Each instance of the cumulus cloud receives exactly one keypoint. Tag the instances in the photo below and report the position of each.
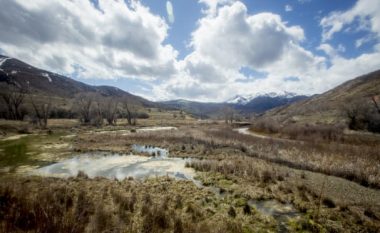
(113, 39)
(365, 12)
(330, 51)
(212, 5)
(304, 1)
(231, 39)
(235, 39)
(169, 11)
(288, 8)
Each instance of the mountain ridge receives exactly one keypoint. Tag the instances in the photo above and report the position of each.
(39, 81)
(330, 106)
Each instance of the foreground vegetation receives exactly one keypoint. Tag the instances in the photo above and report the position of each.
(81, 204)
(333, 186)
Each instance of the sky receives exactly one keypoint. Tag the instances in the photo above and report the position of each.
(202, 50)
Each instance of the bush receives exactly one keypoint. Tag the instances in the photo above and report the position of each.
(61, 113)
(141, 115)
(362, 115)
(232, 212)
(266, 126)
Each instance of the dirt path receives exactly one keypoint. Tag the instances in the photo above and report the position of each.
(246, 131)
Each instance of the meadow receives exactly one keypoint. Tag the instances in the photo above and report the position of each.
(239, 182)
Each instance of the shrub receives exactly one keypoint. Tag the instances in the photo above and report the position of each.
(232, 212)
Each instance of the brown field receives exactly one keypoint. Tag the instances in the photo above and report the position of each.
(333, 184)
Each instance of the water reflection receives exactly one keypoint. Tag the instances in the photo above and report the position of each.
(151, 150)
(282, 212)
(117, 166)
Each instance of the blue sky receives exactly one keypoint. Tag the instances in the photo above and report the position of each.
(211, 51)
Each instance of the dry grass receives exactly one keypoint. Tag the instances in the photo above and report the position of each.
(241, 165)
(328, 206)
(359, 163)
(83, 205)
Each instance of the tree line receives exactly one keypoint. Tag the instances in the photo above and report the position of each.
(20, 103)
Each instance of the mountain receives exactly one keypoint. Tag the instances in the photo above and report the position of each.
(45, 83)
(241, 104)
(262, 102)
(64, 89)
(199, 109)
(243, 100)
(238, 99)
(330, 107)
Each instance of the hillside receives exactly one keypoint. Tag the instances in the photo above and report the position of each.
(263, 103)
(240, 104)
(61, 88)
(45, 83)
(199, 109)
(330, 107)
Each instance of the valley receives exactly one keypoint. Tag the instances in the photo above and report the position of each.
(202, 116)
(183, 176)
(81, 158)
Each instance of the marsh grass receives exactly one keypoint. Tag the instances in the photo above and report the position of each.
(358, 163)
(99, 205)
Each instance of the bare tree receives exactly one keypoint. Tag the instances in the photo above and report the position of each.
(229, 114)
(41, 108)
(13, 99)
(130, 111)
(41, 111)
(375, 100)
(362, 115)
(110, 109)
(353, 112)
(83, 106)
(96, 115)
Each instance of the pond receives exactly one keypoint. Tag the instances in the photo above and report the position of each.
(18, 151)
(121, 166)
(150, 150)
(156, 128)
(281, 212)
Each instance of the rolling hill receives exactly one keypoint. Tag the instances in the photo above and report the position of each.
(242, 105)
(330, 107)
(45, 83)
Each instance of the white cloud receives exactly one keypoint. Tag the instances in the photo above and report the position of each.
(234, 39)
(116, 40)
(304, 1)
(212, 5)
(169, 11)
(288, 8)
(328, 49)
(230, 39)
(365, 12)
(363, 40)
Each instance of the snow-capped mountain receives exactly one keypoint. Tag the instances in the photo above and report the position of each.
(243, 100)
(261, 102)
(238, 99)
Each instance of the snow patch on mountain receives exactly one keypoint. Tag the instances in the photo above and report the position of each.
(238, 99)
(242, 100)
(2, 60)
(46, 75)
